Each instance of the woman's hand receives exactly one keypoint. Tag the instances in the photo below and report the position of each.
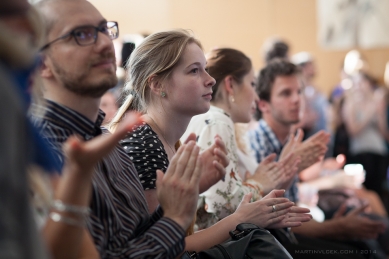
(214, 160)
(178, 188)
(265, 212)
(294, 218)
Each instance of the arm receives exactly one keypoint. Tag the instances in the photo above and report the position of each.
(379, 97)
(163, 237)
(74, 188)
(152, 200)
(223, 198)
(259, 213)
(349, 226)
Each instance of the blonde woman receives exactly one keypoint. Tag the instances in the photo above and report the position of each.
(168, 83)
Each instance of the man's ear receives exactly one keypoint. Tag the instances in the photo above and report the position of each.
(45, 67)
(263, 106)
(155, 85)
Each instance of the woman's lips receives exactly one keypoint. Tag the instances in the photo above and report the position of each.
(208, 96)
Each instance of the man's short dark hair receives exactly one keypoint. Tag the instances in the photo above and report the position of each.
(267, 76)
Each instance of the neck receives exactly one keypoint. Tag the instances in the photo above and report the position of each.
(280, 130)
(224, 106)
(87, 106)
(170, 124)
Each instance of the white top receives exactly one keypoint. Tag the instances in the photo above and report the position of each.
(223, 198)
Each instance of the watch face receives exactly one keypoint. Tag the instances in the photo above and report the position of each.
(345, 24)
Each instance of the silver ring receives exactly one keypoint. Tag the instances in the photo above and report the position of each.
(274, 208)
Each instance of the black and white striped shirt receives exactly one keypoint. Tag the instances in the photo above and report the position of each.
(119, 222)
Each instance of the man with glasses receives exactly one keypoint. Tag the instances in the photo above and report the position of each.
(78, 67)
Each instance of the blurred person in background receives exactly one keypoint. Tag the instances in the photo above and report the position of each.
(19, 41)
(109, 106)
(316, 112)
(274, 47)
(364, 112)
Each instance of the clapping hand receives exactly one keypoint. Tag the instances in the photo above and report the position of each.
(178, 188)
(214, 161)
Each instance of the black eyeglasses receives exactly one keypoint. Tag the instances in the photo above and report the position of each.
(87, 35)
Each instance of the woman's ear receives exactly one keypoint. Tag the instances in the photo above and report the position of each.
(155, 85)
(228, 85)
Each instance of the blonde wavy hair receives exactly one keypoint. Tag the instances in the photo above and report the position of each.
(156, 56)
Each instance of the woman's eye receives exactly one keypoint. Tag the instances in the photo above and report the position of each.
(252, 84)
(194, 71)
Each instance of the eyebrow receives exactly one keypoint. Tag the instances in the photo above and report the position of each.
(80, 26)
(196, 63)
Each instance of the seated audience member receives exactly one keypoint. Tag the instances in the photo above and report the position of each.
(317, 109)
(232, 98)
(19, 40)
(169, 84)
(279, 91)
(76, 71)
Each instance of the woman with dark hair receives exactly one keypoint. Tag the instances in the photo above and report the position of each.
(232, 101)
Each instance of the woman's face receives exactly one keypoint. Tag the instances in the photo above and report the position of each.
(244, 95)
(189, 88)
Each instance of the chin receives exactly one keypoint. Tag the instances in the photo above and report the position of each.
(201, 110)
(294, 121)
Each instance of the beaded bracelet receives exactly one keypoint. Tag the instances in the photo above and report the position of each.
(56, 217)
(79, 210)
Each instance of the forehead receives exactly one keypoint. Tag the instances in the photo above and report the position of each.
(192, 53)
(73, 13)
(285, 82)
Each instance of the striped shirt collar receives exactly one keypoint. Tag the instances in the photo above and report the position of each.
(68, 118)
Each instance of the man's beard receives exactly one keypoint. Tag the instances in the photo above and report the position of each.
(78, 85)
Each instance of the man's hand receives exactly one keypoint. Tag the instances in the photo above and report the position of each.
(293, 142)
(214, 161)
(82, 156)
(354, 225)
(178, 188)
(275, 175)
(312, 150)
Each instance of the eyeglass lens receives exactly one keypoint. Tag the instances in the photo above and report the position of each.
(88, 34)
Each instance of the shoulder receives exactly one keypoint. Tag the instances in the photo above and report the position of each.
(139, 137)
(146, 151)
(214, 120)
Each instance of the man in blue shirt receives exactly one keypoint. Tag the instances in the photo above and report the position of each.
(279, 90)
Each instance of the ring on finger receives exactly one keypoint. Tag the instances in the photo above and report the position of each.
(274, 208)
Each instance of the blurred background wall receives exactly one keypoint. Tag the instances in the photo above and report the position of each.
(241, 24)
